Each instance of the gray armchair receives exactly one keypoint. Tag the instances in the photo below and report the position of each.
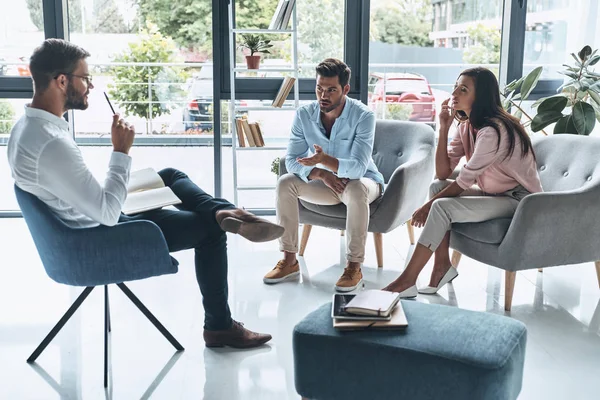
(557, 227)
(404, 154)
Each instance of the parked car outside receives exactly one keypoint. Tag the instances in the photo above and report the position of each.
(404, 88)
(198, 111)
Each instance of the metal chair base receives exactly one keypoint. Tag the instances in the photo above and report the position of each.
(107, 326)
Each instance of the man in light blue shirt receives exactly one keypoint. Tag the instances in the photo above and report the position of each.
(329, 162)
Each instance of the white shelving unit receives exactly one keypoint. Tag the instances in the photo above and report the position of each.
(234, 109)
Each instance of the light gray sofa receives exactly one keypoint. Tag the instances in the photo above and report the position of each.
(558, 227)
(404, 154)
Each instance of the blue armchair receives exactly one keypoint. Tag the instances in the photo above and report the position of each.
(97, 256)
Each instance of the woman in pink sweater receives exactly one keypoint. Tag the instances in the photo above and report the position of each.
(499, 172)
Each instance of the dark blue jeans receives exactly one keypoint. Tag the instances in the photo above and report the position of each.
(194, 226)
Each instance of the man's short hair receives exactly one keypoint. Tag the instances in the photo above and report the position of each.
(333, 67)
(52, 58)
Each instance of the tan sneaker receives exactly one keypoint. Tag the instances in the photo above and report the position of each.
(282, 272)
(350, 280)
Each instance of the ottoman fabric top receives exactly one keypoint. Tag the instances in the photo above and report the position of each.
(479, 339)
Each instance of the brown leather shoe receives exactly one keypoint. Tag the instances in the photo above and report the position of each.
(281, 272)
(249, 225)
(237, 336)
(350, 280)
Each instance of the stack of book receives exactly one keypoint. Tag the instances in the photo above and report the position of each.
(284, 91)
(251, 131)
(283, 14)
(371, 309)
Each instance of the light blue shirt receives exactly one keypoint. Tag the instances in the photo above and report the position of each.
(351, 141)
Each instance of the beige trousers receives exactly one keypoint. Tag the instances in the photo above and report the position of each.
(357, 196)
(473, 205)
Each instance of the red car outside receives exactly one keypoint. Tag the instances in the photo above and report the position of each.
(403, 88)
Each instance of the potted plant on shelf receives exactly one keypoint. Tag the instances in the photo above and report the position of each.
(255, 44)
(580, 95)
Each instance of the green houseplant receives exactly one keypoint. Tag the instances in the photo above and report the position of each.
(518, 91)
(255, 44)
(580, 96)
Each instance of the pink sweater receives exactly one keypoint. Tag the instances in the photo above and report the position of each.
(488, 168)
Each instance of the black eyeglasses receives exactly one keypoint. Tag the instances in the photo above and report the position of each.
(86, 78)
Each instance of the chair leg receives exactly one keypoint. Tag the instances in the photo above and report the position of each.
(106, 330)
(598, 271)
(60, 324)
(509, 287)
(305, 235)
(379, 248)
(411, 232)
(151, 317)
(107, 304)
(455, 258)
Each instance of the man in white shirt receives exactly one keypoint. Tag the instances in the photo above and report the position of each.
(46, 162)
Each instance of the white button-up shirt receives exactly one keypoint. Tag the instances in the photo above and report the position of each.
(46, 162)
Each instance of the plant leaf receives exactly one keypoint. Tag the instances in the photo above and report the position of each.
(554, 103)
(594, 95)
(594, 60)
(584, 118)
(576, 59)
(544, 119)
(585, 52)
(565, 125)
(514, 85)
(567, 84)
(572, 75)
(518, 114)
(530, 81)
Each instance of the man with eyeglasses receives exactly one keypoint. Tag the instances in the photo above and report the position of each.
(46, 162)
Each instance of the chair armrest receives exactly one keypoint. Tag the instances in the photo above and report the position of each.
(554, 228)
(282, 167)
(124, 252)
(406, 191)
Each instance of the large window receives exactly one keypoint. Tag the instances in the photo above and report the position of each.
(557, 28)
(157, 76)
(21, 30)
(417, 49)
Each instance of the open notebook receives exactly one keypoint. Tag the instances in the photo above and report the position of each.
(146, 191)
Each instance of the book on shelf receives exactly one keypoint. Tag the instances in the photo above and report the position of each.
(239, 129)
(251, 131)
(256, 134)
(284, 91)
(248, 132)
(289, 8)
(146, 191)
(397, 322)
(279, 15)
(373, 302)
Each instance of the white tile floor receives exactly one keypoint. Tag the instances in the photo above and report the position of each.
(560, 307)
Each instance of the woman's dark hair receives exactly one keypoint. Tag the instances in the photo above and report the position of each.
(331, 67)
(487, 110)
(52, 58)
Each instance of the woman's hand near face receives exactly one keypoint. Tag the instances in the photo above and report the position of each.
(446, 116)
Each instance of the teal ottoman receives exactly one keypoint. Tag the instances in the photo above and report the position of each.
(445, 354)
